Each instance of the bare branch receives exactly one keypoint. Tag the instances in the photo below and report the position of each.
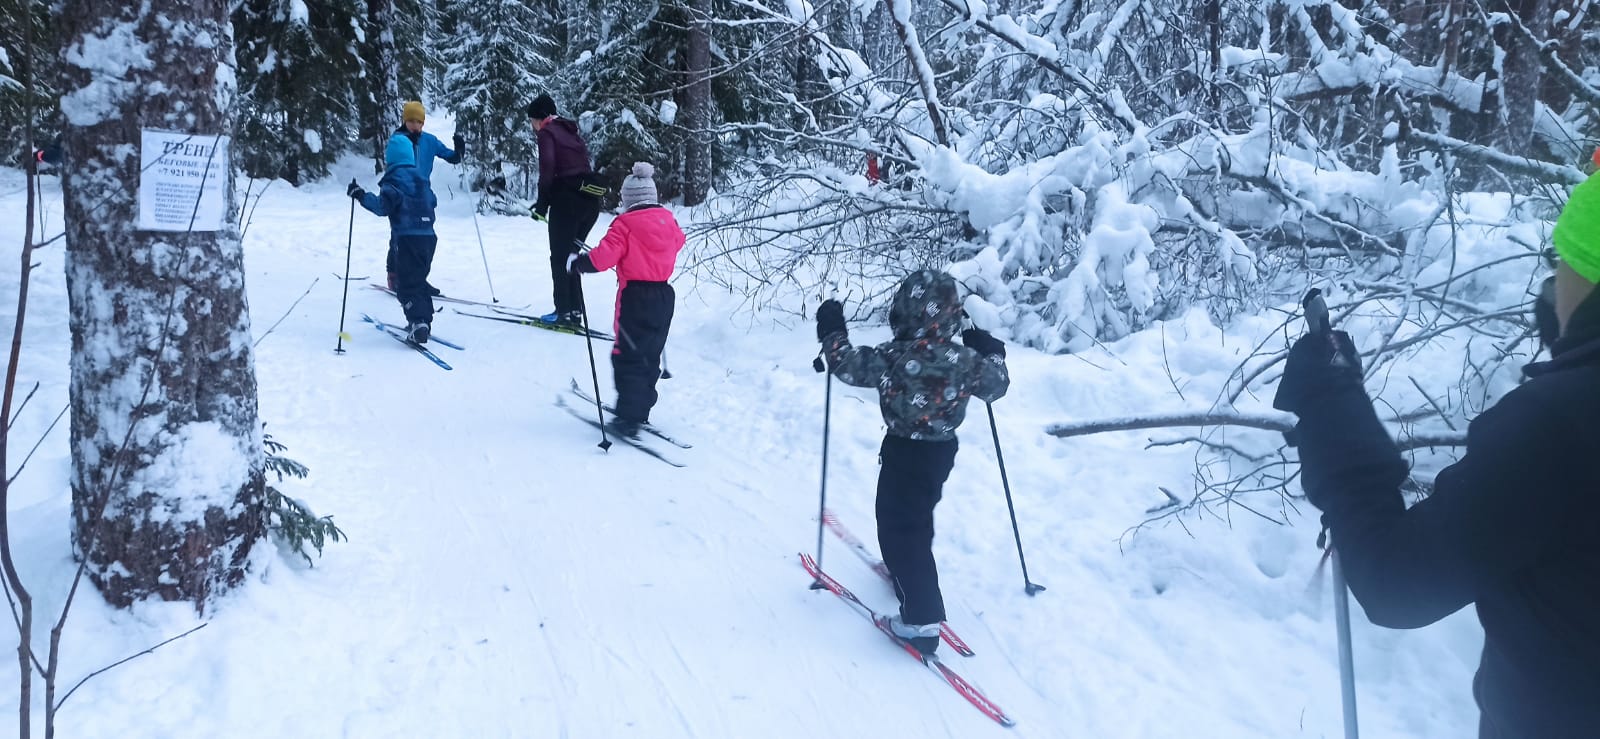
(121, 662)
(286, 313)
(1280, 422)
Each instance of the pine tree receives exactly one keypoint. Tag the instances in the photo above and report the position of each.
(497, 62)
(16, 106)
(381, 101)
(698, 104)
(300, 80)
(396, 62)
(615, 72)
(167, 459)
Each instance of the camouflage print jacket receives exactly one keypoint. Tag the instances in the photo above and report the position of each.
(923, 377)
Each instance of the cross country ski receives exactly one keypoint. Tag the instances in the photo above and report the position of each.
(932, 662)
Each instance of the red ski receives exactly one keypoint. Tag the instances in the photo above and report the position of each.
(972, 694)
(877, 565)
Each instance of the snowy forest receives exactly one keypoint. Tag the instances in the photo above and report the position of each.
(1132, 194)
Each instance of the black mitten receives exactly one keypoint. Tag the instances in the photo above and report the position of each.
(830, 319)
(983, 342)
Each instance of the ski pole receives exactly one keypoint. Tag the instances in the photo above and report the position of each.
(1317, 322)
(484, 254)
(348, 243)
(666, 374)
(1347, 661)
(827, 417)
(594, 374)
(1028, 586)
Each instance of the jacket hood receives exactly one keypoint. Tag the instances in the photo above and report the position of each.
(399, 152)
(563, 125)
(927, 305)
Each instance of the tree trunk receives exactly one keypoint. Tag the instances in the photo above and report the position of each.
(384, 71)
(900, 15)
(697, 97)
(167, 461)
(1522, 76)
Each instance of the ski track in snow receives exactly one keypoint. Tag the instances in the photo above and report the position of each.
(506, 578)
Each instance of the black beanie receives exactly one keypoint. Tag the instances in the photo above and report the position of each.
(542, 107)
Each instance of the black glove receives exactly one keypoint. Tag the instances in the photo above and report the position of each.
(983, 343)
(578, 264)
(354, 191)
(459, 145)
(541, 213)
(830, 318)
(1544, 313)
(1324, 364)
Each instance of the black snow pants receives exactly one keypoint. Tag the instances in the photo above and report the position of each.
(572, 216)
(412, 260)
(644, 314)
(910, 484)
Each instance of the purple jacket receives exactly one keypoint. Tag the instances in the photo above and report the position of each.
(563, 159)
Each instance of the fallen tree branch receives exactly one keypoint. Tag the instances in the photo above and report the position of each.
(1544, 171)
(1280, 422)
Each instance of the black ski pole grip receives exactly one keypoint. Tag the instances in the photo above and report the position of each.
(1316, 310)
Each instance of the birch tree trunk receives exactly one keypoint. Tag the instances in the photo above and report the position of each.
(167, 461)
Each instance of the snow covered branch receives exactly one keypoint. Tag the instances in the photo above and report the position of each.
(1542, 171)
(1280, 422)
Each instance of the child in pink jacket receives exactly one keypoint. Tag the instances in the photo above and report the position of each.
(642, 244)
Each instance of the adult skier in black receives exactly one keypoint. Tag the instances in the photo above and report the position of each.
(1513, 527)
(569, 201)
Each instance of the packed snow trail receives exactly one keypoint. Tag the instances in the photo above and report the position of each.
(505, 578)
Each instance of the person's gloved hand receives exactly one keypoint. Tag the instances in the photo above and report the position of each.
(354, 191)
(541, 213)
(459, 144)
(830, 318)
(983, 343)
(1544, 313)
(1320, 364)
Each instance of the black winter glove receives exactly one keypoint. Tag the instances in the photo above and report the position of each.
(578, 264)
(1321, 365)
(354, 191)
(983, 343)
(1544, 313)
(459, 144)
(830, 318)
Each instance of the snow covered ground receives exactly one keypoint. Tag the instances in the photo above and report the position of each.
(506, 578)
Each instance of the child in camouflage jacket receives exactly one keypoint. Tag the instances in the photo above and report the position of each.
(924, 380)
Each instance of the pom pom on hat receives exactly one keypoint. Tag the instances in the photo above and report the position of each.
(639, 188)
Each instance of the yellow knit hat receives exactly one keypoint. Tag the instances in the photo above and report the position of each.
(413, 111)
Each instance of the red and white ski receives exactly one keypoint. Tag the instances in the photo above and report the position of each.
(877, 565)
(932, 662)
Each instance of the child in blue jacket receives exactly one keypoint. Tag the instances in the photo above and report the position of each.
(404, 196)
